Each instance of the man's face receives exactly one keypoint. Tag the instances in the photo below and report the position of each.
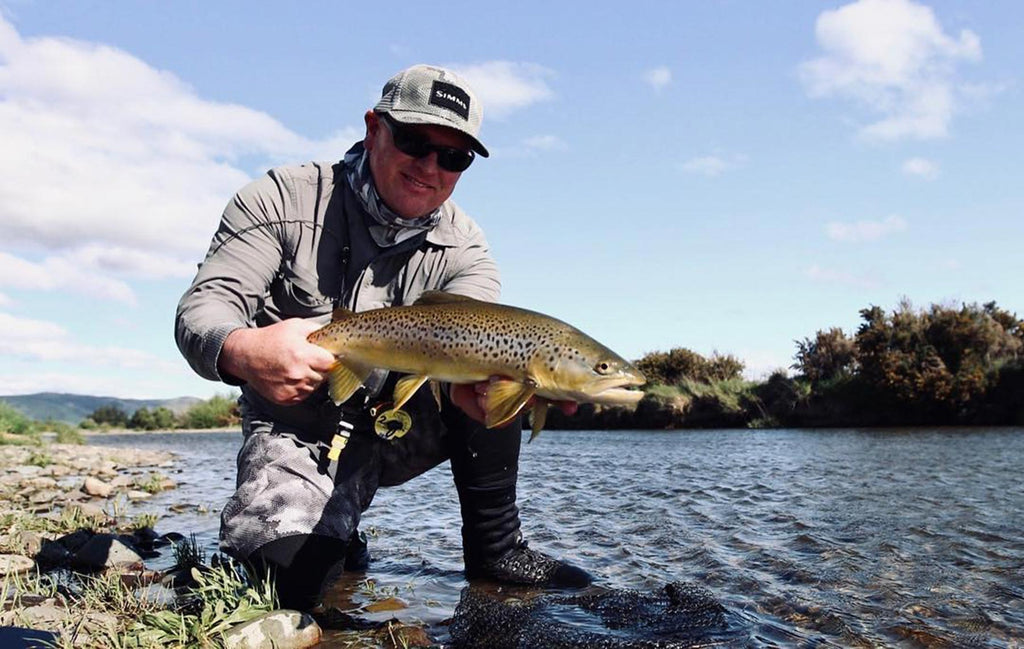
(411, 187)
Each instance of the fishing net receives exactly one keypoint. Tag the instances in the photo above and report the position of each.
(676, 616)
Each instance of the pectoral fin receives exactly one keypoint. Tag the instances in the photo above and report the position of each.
(538, 417)
(435, 389)
(406, 387)
(343, 381)
(504, 401)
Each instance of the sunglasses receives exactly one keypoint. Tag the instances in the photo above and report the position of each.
(418, 145)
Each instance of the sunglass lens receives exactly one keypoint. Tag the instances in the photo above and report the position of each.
(415, 145)
(453, 159)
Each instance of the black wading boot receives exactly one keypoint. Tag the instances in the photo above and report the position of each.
(485, 464)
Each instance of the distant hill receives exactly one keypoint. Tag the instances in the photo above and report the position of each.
(73, 408)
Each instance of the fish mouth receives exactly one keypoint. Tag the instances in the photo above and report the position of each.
(617, 396)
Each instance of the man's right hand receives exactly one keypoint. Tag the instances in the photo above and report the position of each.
(277, 360)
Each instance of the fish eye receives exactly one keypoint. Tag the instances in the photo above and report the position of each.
(604, 367)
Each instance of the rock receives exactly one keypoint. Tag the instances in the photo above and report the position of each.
(122, 481)
(389, 604)
(89, 510)
(14, 564)
(96, 487)
(46, 496)
(41, 482)
(395, 635)
(105, 551)
(282, 629)
(135, 494)
(28, 542)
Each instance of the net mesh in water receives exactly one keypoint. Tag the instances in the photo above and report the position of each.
(675, 616)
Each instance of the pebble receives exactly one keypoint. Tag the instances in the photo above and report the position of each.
(15, 564)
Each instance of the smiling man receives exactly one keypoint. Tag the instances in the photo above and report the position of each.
(376, 229)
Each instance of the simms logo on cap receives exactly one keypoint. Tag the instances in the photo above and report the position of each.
(451, 97)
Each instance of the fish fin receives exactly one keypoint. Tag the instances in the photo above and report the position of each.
(435, 389)
(505, 399)
(406, 387)
(442, 297)
(341, 313)
(343, 381)
(537, 417)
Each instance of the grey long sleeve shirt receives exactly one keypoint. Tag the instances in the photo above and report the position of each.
(294, 243)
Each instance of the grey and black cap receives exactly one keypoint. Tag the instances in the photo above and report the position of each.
(426, 94)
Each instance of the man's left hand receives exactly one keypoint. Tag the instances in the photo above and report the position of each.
(471, 398)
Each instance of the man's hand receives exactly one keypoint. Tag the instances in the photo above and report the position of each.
(471, 398)
(277, 360)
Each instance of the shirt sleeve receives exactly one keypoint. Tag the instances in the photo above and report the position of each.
(232, 282)
(474, 272)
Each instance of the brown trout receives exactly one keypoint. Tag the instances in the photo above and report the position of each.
(455, 339)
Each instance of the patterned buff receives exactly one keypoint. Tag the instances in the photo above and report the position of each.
(387, 228)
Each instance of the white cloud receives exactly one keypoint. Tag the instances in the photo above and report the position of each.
(893, 57)
(114, 168)
(39, 340)
(659, 77)
(5, 300)
(506, 86)
(862, 231)
(545, 143)
(921, 167)
(713, 165)
(59, 273)
(844, 278)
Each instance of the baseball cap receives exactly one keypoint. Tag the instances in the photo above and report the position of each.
(425, 94)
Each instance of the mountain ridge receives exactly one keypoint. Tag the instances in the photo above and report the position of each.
(73, 408)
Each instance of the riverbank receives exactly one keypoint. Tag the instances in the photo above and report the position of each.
(72, 569)
(74, 553)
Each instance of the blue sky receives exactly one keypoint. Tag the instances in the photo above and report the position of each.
(723, 176)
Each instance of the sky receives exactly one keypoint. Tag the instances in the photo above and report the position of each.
(724, 176)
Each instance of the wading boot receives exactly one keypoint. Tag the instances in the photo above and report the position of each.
(485, 465)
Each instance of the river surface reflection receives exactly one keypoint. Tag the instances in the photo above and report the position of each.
(841, 538)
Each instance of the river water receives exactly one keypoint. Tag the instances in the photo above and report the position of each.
(811, 538)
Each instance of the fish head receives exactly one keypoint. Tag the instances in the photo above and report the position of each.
(586, 371)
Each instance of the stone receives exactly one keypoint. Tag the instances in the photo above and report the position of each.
(96, 487)
(89, 510)
(387, 604)
(135, 494)
(283, 629)
(105, 551)
(15, 564)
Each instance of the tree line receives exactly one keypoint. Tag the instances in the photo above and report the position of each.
(217, 412)
(941, 365)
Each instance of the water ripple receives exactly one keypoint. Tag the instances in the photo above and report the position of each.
(810, 538)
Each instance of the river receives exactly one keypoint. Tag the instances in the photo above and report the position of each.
(813, 538)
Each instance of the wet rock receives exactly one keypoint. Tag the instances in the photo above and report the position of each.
(282, 629)
(396, 635)
(105, 551)
(96, 487)
(135, 494)
(389, 604)
(14, 564)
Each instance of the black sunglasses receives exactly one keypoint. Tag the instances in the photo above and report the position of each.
(418, 145)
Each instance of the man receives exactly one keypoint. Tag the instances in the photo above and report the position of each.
(376, 229)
